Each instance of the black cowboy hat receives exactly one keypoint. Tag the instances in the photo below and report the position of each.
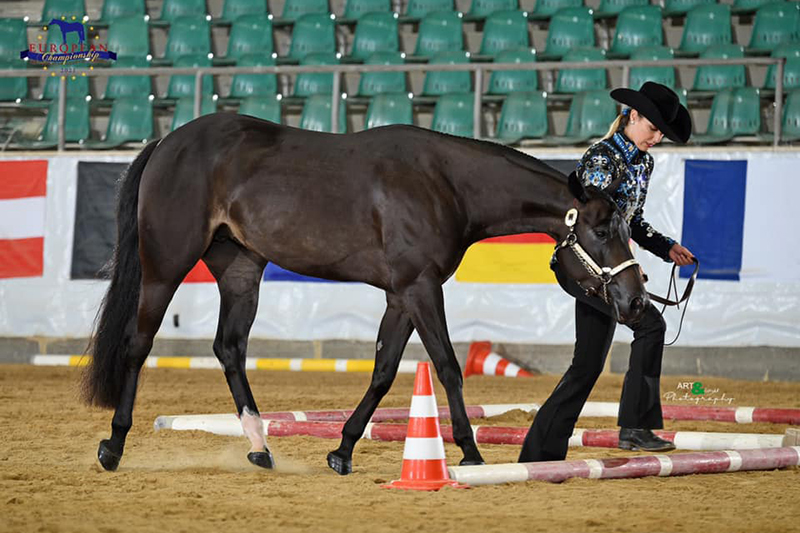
(660, 105)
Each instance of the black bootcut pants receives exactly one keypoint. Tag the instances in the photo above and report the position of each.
(640, 405)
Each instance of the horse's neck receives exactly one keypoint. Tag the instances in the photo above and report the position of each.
(509, 199)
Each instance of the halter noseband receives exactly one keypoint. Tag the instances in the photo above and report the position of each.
(604, 274)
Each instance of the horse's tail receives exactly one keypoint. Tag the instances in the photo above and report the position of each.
(104, 378)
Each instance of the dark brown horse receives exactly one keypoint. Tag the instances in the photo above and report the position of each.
(394, 207)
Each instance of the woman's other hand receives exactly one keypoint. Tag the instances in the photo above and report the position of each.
(680, 255)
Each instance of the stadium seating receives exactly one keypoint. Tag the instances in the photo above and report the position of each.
(70, 10)
(440, 31)
(612, 8)
(76, 125)
(233, 10)
(523, 116)
(249, 35)
(509, 81)
(312, 83)
(316, 115)
(791, 69)
(581, 80)
(131, 120)
(184, 110)
(355, 9)
(13, 89)
(437, 83)
(734, 112)
(263, 107)
(187, 36)
(791, 117)
(128, 86)
(12, 40)
(116, 9)
(590, 115)
(182, 85)
(250, 85)
(482, 9)
(746, 7)
(545, 9)
(504, 30)
(453, 114)
(373, 83)
(570, 28)
(676, 8)
(775, 24)
(718, 77)
(389, 108)
(312, 34)
(662, 75)
(375, 32)
(706, 25)
(172, 10)
(129, 36)
(637, 27)
(419, 9)
(77, 87)
(294, 10)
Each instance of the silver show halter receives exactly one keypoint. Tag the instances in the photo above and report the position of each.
(604, 274)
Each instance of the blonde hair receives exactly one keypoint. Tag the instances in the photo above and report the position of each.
(620, 122)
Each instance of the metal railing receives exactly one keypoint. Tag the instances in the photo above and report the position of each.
(479, 70)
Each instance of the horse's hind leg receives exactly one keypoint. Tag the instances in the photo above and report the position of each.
(238, 272)
(153, 301)
(424, 302)
(393, 335)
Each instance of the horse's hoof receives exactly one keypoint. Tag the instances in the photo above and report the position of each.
(341, 465)
(109, 460)
(471, 462)
(263, 459)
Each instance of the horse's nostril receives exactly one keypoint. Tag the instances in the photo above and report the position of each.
(637, 305)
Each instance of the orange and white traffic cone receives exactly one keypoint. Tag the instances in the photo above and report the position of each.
(424, 466)
(482, 360)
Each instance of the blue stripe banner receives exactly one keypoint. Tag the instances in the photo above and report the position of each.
(713, 216)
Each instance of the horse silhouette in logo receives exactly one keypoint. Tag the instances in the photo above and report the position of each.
(69, 27)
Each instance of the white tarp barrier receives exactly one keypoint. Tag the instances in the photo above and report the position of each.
(758, 310)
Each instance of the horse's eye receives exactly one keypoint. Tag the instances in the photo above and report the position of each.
(601, 233)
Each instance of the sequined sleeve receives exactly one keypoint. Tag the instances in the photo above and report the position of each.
(596, 168)
(647, 237)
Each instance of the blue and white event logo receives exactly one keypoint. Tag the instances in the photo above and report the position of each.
(69, 49)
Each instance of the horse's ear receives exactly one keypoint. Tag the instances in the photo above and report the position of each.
(576, 187)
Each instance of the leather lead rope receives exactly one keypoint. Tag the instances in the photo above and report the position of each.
(687, 292)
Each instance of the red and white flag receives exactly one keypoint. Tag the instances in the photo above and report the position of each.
(23, 189)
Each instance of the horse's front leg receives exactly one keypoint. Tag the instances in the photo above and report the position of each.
(393, 335)
(424, 302)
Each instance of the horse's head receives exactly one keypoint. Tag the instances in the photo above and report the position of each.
(595, 252)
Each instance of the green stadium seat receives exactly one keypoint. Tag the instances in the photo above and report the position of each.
(775, 24)
(791, 69)
(117, 9)
(173, 10)
(373, 83)
(13, 89)
(790, 127)
(54, 38)
(440, 31)
(311, 83)
(504, 30)
(389, 108)
(662, 75)
(247, 85)
(511, 81)
(249, 35)
(131, 120)
(718, 77)
(232, 10)
(128, 86)
(76, 125)
(706, 25)
(570, 28)
(77, 87)
(70, 10)
(637, 27)
(184, 109)
(482, 9)
(747, 7)
(355, 9)
(734, 112)
(590, 115)
(419, 9)
(453, 114)
(677, 8)
(375, 32)
(187, 36)
(293, 10)
(437, 83)
(263, 107)
(545, 9)
(129, 37)
(612, 8)
(580, 80)
(523, 116)
(182, 85)
(13, 37)
(312, 34)
(316, 115)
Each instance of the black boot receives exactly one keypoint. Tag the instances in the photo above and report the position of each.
(644, 440)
